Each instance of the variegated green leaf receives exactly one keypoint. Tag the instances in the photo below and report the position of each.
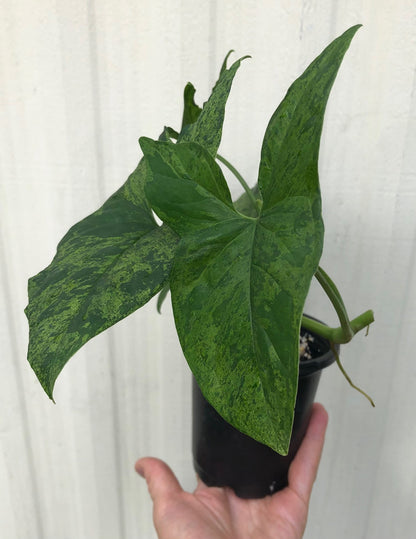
(291, 143)
(239, 283)
(207, 130)
(112, 262)
(186, 160)
(191, 110)
(106, 266)
(234, 278)
(244, 205)
(225, 61)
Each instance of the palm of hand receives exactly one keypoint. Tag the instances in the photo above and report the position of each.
(217, 513)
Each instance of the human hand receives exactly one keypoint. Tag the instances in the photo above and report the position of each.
(217, 513)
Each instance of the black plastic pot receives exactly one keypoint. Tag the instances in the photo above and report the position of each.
(223, 456)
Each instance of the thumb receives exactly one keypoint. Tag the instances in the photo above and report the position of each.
(160, 479)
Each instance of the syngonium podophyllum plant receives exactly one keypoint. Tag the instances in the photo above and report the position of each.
(238, 272)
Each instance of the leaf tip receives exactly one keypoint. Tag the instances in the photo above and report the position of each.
(47, 387)
(46, 377)
(353, 29)
(189, 88)
(145, 144)
(238, 62)
(224, 64)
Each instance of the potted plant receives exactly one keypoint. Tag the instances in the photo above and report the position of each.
(239, 272)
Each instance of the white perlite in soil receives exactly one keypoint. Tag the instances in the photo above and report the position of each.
(304, 346)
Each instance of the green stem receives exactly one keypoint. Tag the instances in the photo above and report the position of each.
(335, 297)
(337, 335)
(240, 179)
(316, 327)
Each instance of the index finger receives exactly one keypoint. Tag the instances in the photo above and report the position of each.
(303, 470)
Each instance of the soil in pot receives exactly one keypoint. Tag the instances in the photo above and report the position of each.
(223, 456)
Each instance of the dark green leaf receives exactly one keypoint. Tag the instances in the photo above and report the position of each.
(107, 266)
(186, 160)
(291, 143)
(161, 297)
(207, 130)
(244, 204)
(234, 280)
(224, 64)
(191, 110)
(239, 284)
(204, 125)
(168, 133)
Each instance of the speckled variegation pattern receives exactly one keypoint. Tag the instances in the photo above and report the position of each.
(106, 266)
(239, 283)
(112, 262)
(238, 287)
(207, 130)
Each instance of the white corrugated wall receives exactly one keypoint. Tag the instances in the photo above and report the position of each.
(80, 81)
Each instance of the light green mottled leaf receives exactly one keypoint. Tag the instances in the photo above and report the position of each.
(207, 130)
(224, 64)
(112, 262)
(203, 125)
(214, 109)
(239, 283)
(107, 266)
(233, 280)
(289, 156)
(186, 160)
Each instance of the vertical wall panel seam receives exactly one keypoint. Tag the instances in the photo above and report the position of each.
(213, 13)
(6, 284)
(333, 19)
(15, 359)
(95, 92)
(117, 434)
(302, 16)
(404, 306)
(411, 268)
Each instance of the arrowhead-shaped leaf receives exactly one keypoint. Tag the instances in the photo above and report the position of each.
(106, 266)
(238, 287)
(207, 130)
(208, 122)
(289, 157)
(113, 261)
(239, 283)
